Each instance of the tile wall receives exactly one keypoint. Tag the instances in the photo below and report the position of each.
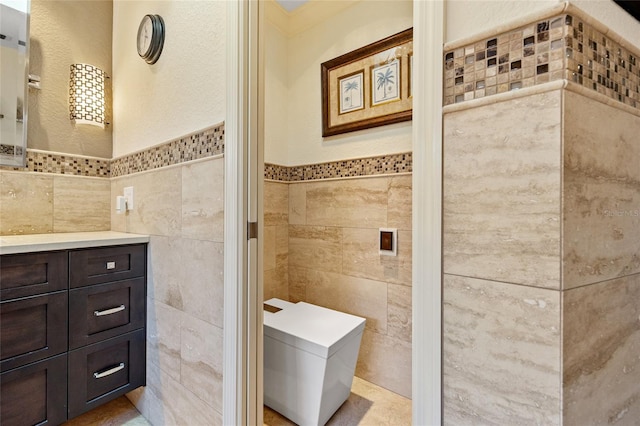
(180, 204)
(321, 246)
(40, 203)
(541, 236)
(601, 263)
(501, 263)
(58, 192)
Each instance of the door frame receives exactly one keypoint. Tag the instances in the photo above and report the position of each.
(242, 339)
(428, 42)
(242, 352)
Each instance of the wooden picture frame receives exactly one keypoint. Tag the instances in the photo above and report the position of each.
(368, 87)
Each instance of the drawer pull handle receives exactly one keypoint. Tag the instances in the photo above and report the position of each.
(111, 265)
(109, 311)
(108, 372)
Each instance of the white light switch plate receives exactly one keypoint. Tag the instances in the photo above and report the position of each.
(128, 195)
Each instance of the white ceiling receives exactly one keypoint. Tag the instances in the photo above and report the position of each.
(289, 5)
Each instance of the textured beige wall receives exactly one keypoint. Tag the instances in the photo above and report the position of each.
(185, 90)
(64, 33)
(465, 18)
(293, 96)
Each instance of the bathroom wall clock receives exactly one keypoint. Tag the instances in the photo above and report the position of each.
(151, 38)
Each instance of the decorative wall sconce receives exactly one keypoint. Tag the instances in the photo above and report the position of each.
(87, 95)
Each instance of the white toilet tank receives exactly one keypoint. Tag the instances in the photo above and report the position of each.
(310, 356)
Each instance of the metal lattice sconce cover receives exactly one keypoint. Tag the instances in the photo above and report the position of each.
(87, 95)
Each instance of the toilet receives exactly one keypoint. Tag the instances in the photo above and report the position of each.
(310, 355)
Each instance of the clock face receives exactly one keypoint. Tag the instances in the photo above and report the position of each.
(150, 38)
(145, 32)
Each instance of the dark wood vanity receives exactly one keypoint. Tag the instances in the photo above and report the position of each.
(72, 331)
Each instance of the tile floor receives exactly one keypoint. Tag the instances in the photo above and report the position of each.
(119, 412)
(368, 405)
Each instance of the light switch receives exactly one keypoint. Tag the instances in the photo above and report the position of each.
(128, 195)
(388, 241)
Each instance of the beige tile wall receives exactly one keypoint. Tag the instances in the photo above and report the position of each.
(601, 263)
(181, 208)
(501, 250)
(600, 353)
(37, 203)
(276, 240)
(501, 188)
(334, 262)
(542, 272)
(501, 353)
(601, 192)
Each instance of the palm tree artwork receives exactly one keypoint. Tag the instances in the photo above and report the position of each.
(386, 83)
(348, 88)
(384, 80)
(351, 89)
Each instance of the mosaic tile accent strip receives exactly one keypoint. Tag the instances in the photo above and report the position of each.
(206, 143)
(561, 47)
(64, 164)
(372, 166)
(596, 62)
(276, 172)
(523, 57)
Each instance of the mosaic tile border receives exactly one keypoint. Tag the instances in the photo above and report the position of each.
(564, 46)
(64, 164)
(206, 143)
(360, 167)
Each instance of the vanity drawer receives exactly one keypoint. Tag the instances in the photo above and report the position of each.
(32, 329)
(96, 266)
(23, 275)
(103, 311)
(103, 371)
(35, 394)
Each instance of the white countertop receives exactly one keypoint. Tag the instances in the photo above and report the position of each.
(11, 244)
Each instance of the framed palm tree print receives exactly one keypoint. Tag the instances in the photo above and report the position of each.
(351, 94)
(385, 80)
(368, 87)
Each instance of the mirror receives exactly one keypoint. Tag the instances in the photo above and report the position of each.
(14, 79)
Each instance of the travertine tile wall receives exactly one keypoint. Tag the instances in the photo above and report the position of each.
(39, 203)
(501, 263)
(276, 240)
(181, 207)
(601, 263)
(331, 246)
(541, 260)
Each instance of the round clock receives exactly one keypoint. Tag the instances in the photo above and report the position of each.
(150, 38)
